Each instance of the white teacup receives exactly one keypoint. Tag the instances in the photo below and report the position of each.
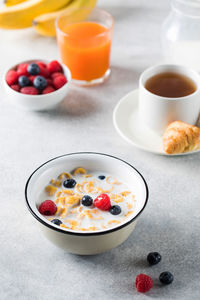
(157, 112)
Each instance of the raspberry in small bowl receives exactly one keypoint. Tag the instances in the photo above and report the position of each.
(37, 84)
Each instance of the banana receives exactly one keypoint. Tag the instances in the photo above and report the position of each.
(21, 15)
(13, 2)
(45, 24)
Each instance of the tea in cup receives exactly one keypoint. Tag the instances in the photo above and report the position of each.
(168, 93)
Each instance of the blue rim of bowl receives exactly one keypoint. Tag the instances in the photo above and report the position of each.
(85, 233)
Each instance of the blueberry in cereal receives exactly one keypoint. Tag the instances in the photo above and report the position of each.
(56, 222)
(69, 183)
(87, 200)
(84, 203)
(101, 177)
(115, 210)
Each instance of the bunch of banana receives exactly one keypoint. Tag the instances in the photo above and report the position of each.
(21, 15)
(45, 24)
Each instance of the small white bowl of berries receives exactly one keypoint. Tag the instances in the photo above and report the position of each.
(37, 84)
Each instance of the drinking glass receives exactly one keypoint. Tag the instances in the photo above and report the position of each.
(84, 39)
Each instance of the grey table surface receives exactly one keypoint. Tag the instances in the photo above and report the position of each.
(33, 269)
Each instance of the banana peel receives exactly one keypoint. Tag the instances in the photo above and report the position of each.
(45, 23)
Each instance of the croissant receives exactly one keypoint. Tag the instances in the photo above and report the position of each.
(181, 137)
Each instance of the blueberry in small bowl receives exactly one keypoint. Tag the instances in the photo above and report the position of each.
(40, 83)
(23, 81)
(33, 69)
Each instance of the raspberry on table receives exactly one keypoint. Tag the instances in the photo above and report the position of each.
(54, 66)
(29, 90)
(143, 283)
(140, 277)
(11, 77)
(22, 69)
(48, 89)
(48, 208)
(15, 87)
(103, 202)
(59, 81)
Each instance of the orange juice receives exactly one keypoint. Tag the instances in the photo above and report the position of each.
(85, 49)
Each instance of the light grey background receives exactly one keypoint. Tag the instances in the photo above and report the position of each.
(33, 269)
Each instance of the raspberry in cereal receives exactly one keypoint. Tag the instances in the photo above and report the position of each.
(103, 202)
(47, 208)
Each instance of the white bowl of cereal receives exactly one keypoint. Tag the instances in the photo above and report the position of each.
(85, 202)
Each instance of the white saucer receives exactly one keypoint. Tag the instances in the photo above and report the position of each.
(128, 125)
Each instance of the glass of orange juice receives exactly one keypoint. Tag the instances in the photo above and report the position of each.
(84, 40)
